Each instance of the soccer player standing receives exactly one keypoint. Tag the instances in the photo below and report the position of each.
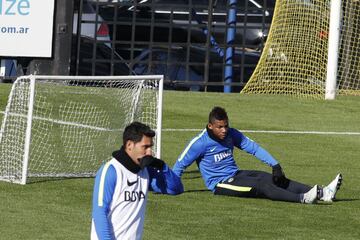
(121, 186)
(213, 150)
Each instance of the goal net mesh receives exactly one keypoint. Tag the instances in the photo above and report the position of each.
(349, 52)
(76, 123)
(294, 59)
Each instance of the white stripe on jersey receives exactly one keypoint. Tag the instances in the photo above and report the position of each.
(190, 144)
(102, 182)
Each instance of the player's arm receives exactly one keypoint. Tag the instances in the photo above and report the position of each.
(162, 178)
(105, 183)
(193, 151)
(165, 181)
(255, 149)
(251, 147)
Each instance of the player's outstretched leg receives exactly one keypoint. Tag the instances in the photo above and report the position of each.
(330, 190)
(311, 196)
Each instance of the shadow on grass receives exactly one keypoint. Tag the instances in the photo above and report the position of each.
(53, 179)
(196, 190)
(193, 174)
(346, 200)
(324, 204)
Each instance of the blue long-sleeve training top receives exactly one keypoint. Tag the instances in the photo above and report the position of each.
(215, 158)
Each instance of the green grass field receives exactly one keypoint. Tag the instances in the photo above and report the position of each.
(61, 209)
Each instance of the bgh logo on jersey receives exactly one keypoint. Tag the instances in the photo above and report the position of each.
(132, 196)
(222, 155)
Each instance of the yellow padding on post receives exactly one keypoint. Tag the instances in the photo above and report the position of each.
(235, 188)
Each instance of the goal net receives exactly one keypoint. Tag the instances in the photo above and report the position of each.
(295, 58)
(349, 51)
(67, 126)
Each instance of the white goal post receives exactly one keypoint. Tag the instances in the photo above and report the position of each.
(67, 126)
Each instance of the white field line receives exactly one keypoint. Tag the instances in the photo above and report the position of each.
(75, 124)
(267, 131)
(196, 129)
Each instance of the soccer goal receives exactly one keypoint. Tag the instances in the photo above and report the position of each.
(313, 50)
(67, 126)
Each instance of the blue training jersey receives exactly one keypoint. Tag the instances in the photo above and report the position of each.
(215, 158)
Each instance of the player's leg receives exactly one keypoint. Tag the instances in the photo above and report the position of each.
(256, 184)
(306, 193)
(235, 188)
(297, 187)
(259, 184)
(293, 186)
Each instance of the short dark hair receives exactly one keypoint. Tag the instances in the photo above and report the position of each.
(135, 132)
(218, 113)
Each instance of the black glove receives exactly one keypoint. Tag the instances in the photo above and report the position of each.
(279, 177)
(152, 162)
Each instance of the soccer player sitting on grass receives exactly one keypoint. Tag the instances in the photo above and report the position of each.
(121, 186)
(213, 150)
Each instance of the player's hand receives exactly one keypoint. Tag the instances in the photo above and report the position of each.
(279, 176)
(152, 162)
